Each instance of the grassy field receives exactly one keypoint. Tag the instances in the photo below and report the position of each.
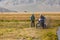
(23, 31)
(17, 27)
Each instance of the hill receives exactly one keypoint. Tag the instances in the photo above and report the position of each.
(5, 10)
(31, 5)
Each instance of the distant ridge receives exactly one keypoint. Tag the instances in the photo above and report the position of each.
(30, 5)
(5, 10)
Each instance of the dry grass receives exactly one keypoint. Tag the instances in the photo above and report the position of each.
(27, 34)
(22, 30)
(23, 16)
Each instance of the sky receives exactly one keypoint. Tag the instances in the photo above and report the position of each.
(31, 5)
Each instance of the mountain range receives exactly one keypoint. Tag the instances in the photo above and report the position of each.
(30, 5)
(5, 10)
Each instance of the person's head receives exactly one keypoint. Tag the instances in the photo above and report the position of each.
(32, 14)
(41, 15)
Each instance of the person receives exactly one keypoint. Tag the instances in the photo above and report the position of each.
(42, 21)
(39, 20)
(32, 20)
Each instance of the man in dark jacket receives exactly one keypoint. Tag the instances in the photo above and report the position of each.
(42, 21)
(32, 20)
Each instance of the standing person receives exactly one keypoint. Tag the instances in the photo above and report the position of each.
(42, 21)
(32, 20)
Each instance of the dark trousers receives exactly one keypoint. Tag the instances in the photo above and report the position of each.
(32, 23)
(42, 24)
